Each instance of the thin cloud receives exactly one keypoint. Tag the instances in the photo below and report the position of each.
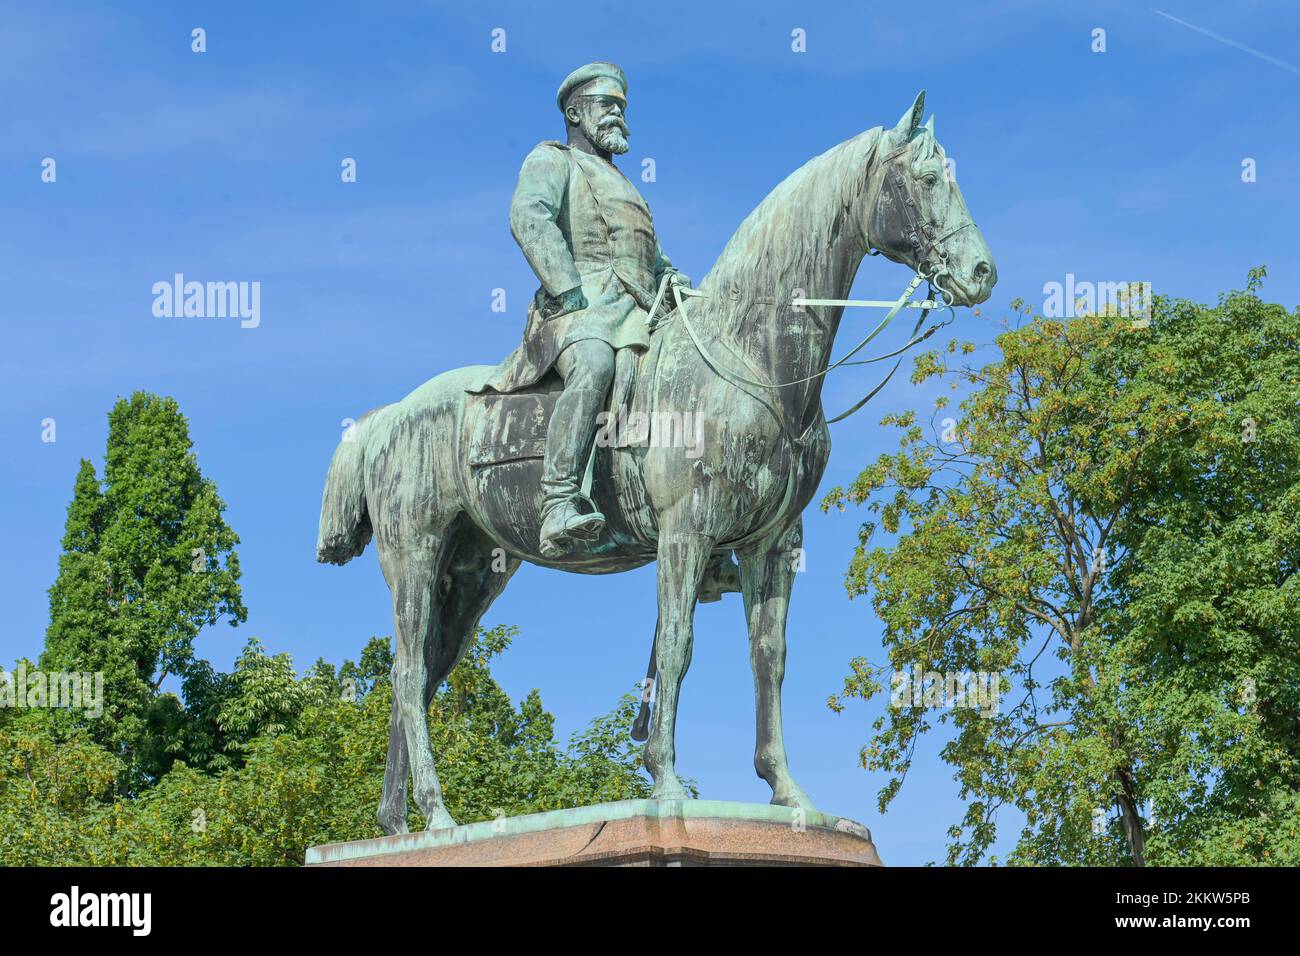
(1230, 42)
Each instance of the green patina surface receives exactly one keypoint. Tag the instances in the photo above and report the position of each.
(576, 817)
(451, 487)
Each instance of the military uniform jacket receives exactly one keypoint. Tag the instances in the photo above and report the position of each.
(579, 221)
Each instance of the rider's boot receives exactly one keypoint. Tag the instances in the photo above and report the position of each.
(567, 515)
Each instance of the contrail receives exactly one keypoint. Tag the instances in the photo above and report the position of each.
(1232, 43)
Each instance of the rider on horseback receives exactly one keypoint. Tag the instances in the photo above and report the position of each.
(589, 237)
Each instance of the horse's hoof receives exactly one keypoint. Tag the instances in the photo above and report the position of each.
(794, 798)
(439, 820)
(671, 792)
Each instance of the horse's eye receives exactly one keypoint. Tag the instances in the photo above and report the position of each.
(930, 180)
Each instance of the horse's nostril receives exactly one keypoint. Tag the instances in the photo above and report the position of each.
(981, 270)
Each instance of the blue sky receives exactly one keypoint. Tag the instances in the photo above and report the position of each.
(1115, 166)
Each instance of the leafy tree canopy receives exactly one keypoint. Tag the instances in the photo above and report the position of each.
(148, 561)
(1111, 524)
(313, 751)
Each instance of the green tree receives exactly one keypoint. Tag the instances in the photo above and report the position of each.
(253, 766)
(148, 561)
(1113, 527)
(373, 667)
(311, 768)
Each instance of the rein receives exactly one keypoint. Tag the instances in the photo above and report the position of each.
(924, 239)
(680, 294)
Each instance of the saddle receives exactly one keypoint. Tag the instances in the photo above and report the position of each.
(512, 426)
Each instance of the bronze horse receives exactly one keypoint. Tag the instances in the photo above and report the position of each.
(451, 533)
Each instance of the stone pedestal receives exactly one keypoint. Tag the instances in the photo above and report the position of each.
(627, 833)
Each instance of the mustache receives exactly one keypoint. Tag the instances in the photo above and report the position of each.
(613, 121)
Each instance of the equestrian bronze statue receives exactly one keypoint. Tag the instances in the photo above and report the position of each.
(572, 453)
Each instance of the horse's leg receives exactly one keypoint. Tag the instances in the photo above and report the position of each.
(392, 805)
(476, 575)
(767, 577)
(414, 570)
(683, 556)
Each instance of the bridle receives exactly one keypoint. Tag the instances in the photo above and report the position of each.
(898, 191)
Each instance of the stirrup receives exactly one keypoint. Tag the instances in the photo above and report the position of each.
(578, 526)
(586, 523)
(584, 527)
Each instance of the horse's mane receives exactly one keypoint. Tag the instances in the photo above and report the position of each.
(784, 243)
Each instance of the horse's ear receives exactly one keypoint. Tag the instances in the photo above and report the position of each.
(910, 120)
(929, 124)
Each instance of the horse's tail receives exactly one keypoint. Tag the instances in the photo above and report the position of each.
(345, 528)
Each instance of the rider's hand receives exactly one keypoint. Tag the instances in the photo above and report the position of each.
(570, 301)
(573, 300)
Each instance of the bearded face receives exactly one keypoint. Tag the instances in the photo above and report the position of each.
(601, 120)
